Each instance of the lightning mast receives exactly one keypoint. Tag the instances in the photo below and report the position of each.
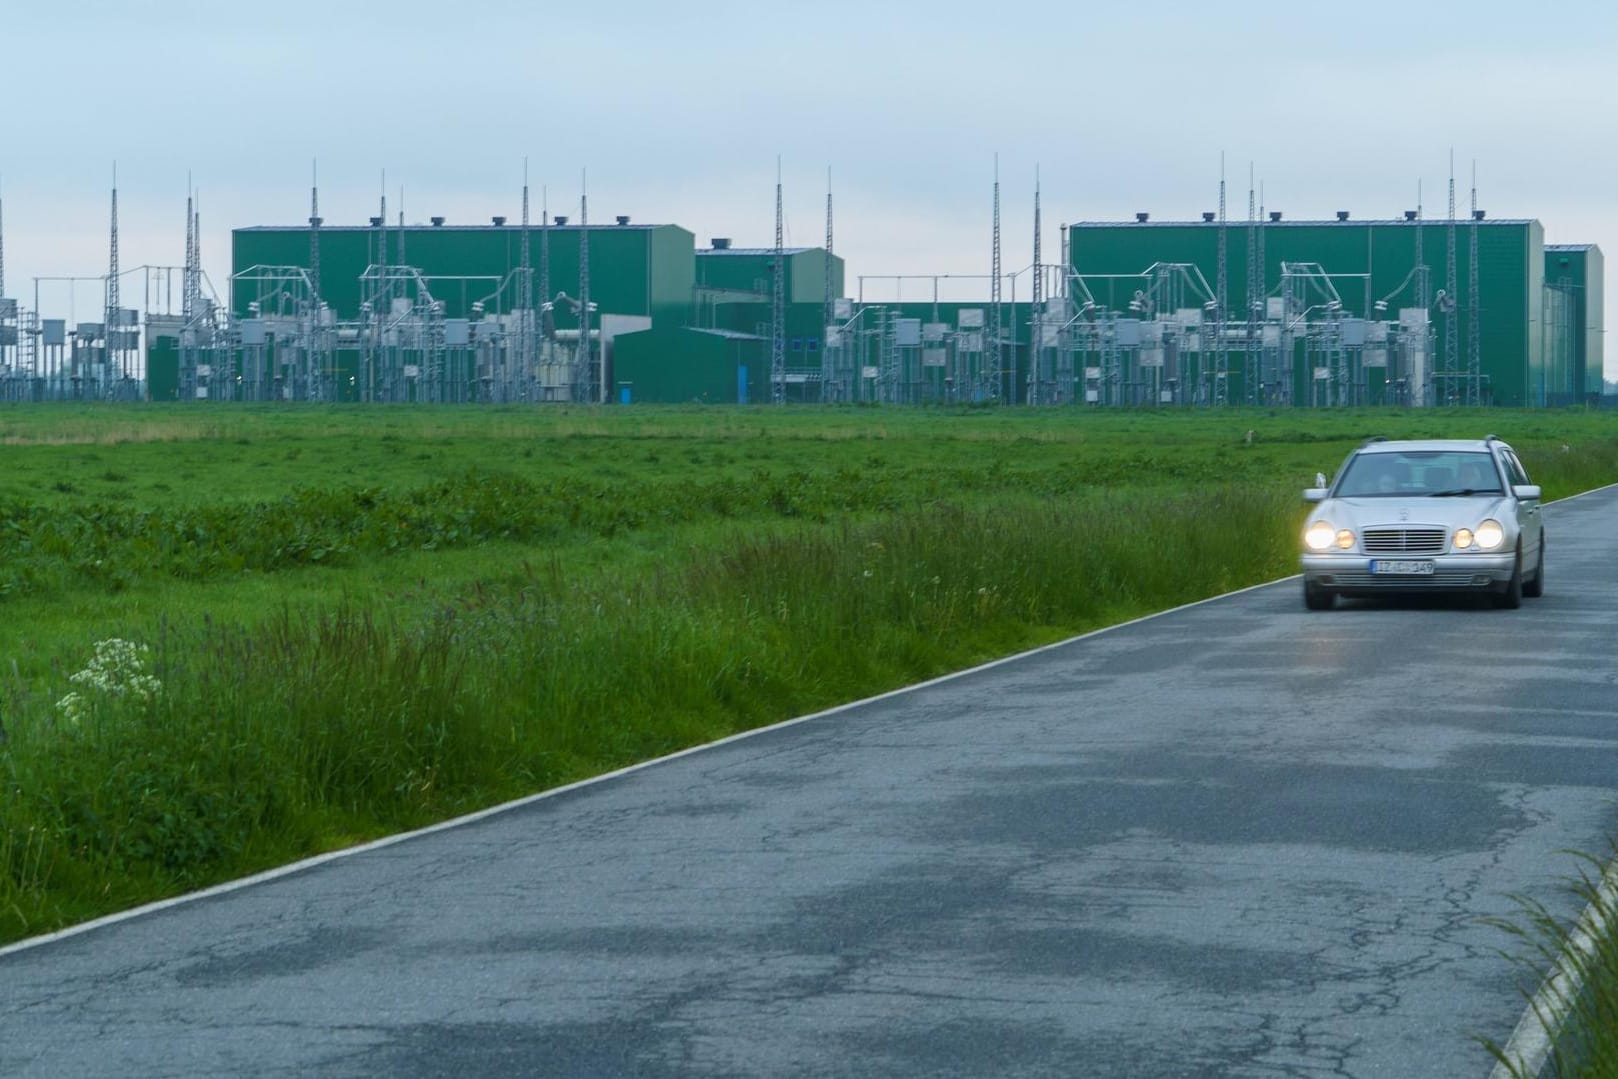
(1474, 340)
(188, 308)
(1255, 289)
(828, 312)
(586, 351)
(1036, 341)
(1221, 359)
(113, 300)
(526, 296)
(1451, 285)
(993, 373)
(778, 344)
(548, 326)
(314, 233)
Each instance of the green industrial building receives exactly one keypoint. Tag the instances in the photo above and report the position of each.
(676, 323)
(1539, 328)
(1574, 318)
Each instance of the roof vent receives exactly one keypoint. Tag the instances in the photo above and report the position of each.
(721, 243)
(1477, 215)
(1275, 215)
(622, 219)
(376, 222)
(498, 220)
(1410, 215)
(1342, 215)
(1142, 217)
(1207, 215)
(438, 222)
(560, 219)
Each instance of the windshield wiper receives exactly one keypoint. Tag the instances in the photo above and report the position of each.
(1456, 492)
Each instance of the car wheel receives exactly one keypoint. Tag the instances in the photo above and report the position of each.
(1535, 588)
(1316, 598)
(1511, 598)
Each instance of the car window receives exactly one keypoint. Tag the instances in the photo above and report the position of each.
(1514, 468)
(1413, 473)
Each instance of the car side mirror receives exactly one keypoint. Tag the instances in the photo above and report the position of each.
(1526, 492)
(1314, 494)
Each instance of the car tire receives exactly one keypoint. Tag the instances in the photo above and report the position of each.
(1535, 588)
(1511, 598)
(1316, 598)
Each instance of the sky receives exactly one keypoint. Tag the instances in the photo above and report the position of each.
(678, 113)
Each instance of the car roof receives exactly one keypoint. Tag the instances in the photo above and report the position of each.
(1432, 445)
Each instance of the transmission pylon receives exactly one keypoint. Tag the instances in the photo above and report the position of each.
(778, 344)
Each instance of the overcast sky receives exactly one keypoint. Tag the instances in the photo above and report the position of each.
(679, 111)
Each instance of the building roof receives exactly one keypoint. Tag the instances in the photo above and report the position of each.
(1570, 247)
(509, 226)
(1285, 223)
(755, 251)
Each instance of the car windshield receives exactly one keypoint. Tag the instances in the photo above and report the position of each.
(1407, 474)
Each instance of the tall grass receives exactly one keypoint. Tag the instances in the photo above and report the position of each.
(1576, 1003)
(307, 731)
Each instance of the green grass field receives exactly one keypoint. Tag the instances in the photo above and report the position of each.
(365, 620)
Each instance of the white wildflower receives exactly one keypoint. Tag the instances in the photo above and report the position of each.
(118, 669)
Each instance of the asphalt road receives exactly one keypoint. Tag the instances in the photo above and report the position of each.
(1238, 839)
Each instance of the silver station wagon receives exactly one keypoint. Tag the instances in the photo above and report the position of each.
(1425, 516)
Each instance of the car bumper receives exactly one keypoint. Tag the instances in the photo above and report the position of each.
(1451, 573)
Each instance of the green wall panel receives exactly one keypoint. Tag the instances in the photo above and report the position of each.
(634, 270)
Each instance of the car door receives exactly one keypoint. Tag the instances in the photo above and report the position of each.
(1528, 518)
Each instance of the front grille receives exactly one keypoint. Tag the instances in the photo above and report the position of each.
(1403, 540)
(1406, 584)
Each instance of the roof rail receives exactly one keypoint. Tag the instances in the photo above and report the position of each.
(1493, 438)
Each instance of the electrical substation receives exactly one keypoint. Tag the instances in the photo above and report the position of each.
(1405, 309)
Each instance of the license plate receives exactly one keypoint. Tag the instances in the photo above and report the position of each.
(1405, 566)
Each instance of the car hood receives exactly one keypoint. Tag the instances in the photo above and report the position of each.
(1464, 511)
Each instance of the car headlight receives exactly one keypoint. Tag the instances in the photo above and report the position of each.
(1320, 536)
(1463, 538)
(1345, 538)
(1490, 535)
